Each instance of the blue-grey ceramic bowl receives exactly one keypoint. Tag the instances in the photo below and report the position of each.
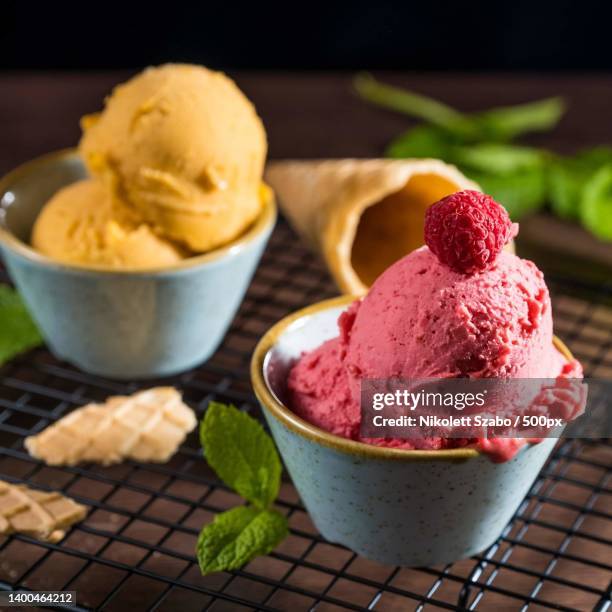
(123, 324)
(395, 506)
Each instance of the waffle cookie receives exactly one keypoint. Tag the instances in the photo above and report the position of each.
(147, 426)
(40, 514)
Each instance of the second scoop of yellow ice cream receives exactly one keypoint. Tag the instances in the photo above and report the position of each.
(82, 224)
(184, 147)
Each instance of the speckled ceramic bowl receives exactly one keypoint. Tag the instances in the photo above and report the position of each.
(122, 323)
(400, 507)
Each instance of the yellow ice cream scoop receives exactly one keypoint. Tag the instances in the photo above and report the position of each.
(83, 224)
(184, 147)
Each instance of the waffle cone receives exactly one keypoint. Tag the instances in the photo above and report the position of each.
(331, 204)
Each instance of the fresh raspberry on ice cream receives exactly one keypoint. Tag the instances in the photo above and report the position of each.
(467, 230)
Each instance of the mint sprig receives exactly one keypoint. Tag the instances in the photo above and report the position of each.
(524, 179)
(18, 332)
(244, 456)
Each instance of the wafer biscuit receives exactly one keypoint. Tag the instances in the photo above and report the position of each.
(146, 426)
(40, 514)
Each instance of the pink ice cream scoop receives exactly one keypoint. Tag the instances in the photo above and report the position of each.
(425, 319)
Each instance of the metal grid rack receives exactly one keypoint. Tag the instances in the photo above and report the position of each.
(135, 549)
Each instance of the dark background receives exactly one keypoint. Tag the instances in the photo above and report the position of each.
(428, 35)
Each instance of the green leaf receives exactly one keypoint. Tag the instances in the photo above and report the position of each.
(422, 141)
(18, 333)
(595, 157)
(496, 158)
(521, 193)
(565, 183)
(508, 122)
(596, 204)
(567, 177)
(241, 453)
(415, 105)
(237, 536)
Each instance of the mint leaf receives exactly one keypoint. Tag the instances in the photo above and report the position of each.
(596, 203)
(415, 105)
(568, 176)
(422, 141)
(565, 183)
(521, 193)
(506, 123)
(18, 333)
(237, 536)
(497, 158)
(241, 453)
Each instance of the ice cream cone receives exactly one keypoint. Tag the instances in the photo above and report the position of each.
(361, 215)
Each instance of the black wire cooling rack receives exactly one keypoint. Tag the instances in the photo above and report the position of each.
(134, 551)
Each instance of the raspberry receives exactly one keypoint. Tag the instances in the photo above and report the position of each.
(467, 230)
